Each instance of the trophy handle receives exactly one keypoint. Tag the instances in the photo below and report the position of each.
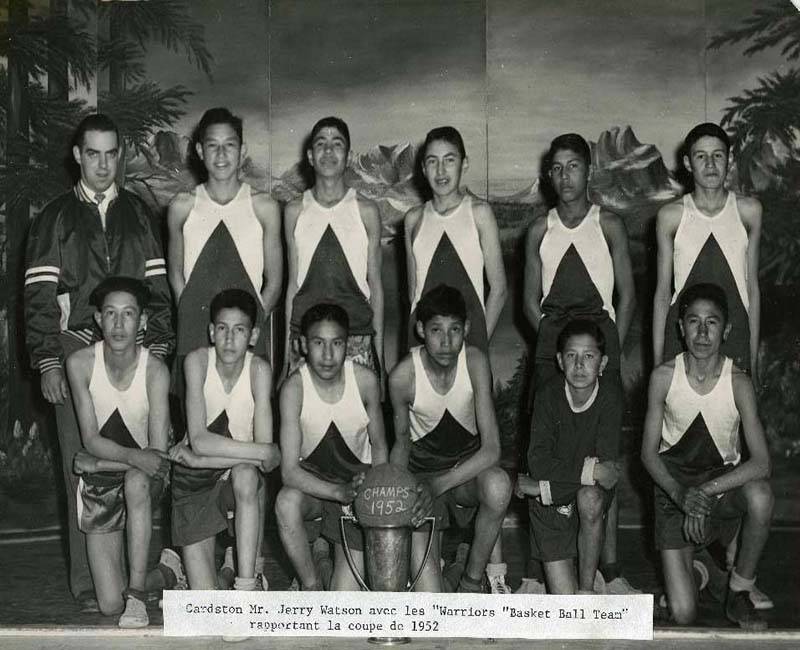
(427, 554)
(348, 555)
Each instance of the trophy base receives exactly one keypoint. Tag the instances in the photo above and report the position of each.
(389, 640)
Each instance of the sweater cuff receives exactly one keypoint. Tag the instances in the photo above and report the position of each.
(49, 363)
(587, 474)
(544, 493)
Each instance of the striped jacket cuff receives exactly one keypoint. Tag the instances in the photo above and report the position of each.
(42, 274)
(155, 266)
(159, 349)
(49, 363)
(544, 493)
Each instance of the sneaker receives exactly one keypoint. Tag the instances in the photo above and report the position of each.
(87, 602)
(531, 586)
(739, 609)
(135, 614)
(172, 561)
(599, 586)
(262, 584)
(294, 586)
(760, 600)
(620, 586)
(497, 585)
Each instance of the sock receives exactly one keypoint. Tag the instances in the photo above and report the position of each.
(244, 584)
(170, 579)
(259, 564)
(610, 571)
(738, 583)
(136, 593)
(470, 584)
(496, 569)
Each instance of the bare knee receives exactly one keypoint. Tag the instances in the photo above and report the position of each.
(245, 481)
(137, 487)
(110, 605)
(495, 489)
(683, 612)
(590, 503)
(288, 505)
(760, 499)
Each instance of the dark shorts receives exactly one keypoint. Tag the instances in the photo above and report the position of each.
(323, 519)
(101, 501)
(554, 529)
(203, 514)
(722, 525)
(455, 508)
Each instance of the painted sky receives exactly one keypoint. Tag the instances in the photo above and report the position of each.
(585, 66)
(392, 70)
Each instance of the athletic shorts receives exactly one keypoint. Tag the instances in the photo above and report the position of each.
(554, 529)
(101, 501)
(722, 524)
(203, 514)
(455, 508)
(360, 348)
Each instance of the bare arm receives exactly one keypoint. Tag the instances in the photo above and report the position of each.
(410, 223)
(370, 392)
(158, 426)
(292, 473)
(371, 218)
(178, 212)
(750, 211)
(291, 213)
(268, 214)
(401, 393)
(669, 216)
(617, 237)
(492, 263)
(533, 272)
(489, 453)
(261, 385)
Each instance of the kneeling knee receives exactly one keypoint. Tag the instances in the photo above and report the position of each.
(683, 613)
(110, 606)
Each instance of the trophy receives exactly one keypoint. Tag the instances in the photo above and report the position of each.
(383, 510)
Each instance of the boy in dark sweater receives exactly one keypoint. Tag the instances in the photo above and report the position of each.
(573, 460)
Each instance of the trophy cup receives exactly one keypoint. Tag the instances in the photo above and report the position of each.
(383, 510)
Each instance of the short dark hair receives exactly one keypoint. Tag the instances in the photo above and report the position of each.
(219, 115)
(442, 300)
(706, 129)
(569, 142)
(133, 286)
(234, 299)
(94, 122)
(324, 311)
(703, 291)
(330, 122)
(448, 134)
(581, 327)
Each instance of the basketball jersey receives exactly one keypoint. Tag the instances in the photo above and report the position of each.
(712, 249)
(443, 428)
(222, 249)
(577, 269)
(332, 251)
(336, 442)
(447, 250)
(229, 414)
(122, 415)
(700, 433)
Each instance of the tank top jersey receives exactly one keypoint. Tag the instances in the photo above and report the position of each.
(336, 442)
(700, 433)
(122, 415)
(222, 249)
(447, 250)
(712, 249)
(332, 250)
(443, 427)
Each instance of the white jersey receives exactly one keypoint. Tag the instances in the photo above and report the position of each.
(237, 407)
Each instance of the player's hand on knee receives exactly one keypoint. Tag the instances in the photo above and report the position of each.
(54, 386)
(152, 462)
(271, 459)
(606, 474)
(694, 528)
(83, 462)
(423, 505)
(183, 455)
(694, 501)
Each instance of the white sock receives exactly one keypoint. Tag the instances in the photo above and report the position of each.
(738, 583)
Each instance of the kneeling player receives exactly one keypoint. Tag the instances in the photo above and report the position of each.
(692, 450)
(230, 446)
(331, 431)
(447, 435)
(120, 393)
(573, 459)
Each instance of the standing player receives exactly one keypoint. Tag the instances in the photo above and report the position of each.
(334, 255)
(230, 436)
(709, 235)
(573, 459)
(222, 235)
(331, 431)
(576, 258)
(447, 435)
(692, 450)
(94, 231)
(453, 240)
(120, 394)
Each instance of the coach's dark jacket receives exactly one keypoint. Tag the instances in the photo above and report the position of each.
(69, 254)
